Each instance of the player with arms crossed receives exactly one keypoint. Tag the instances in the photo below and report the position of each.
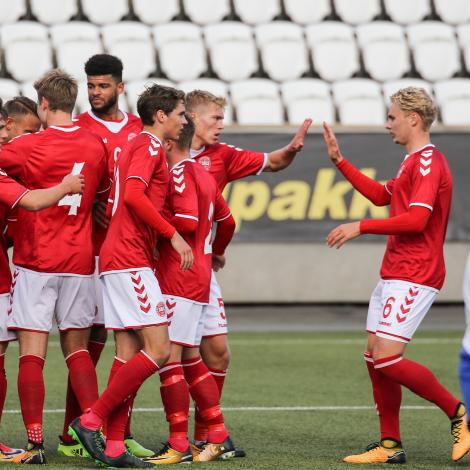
(194, 202)
(133, 304)
(116, 128)
(53, 251)
(226, 163)
(412, 272)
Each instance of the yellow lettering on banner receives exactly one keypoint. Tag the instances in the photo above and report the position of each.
(328, 196)
(291, 201)
(249, 201)
(361, 207)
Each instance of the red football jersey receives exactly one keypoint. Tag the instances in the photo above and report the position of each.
(424, 179)
(10, 193)
(130, 242)
(57, 239)
(193, 194)
(115, 135)
(228, 163)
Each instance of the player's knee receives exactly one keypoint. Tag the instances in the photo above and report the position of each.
(160, 353)
(217, 358)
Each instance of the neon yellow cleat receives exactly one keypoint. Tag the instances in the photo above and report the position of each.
(71, 449)
(460, 433)
(167, 455)
(213, 451)
(136, 449)
(385, 451)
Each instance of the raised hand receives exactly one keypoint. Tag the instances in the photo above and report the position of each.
(297, 142)
(331, 144)
(341, 234)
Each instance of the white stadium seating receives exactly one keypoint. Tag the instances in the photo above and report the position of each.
(308, 97)
(406, 11)
(357, 11)
(232, 50)
(463, 35)
(16, 9)
(257, 12)
(334, 52)
(307, 11)
(453, 97)
(359, 102)
(283, 52)
(206, 11)
(26, 49)
(181, 50)
(54, 11)
(105, 11)
(147, 13)
(136, 87)
(131, 42)
(74, 44)
(380, 41)
(389, 88)
(257, 102)
(8, 89)
(27, 89)
(453, 11)
(435, 50)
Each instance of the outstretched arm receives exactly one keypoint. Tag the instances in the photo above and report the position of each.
(283, 157)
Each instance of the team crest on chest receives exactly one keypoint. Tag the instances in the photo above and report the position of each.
(205, 162)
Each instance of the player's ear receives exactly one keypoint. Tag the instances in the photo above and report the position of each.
(167, 145)
(159, 116)
(9, 123)
(120, 88)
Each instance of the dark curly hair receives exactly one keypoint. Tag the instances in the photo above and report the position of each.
(104, 64)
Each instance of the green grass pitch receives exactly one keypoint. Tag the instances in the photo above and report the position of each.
(274, 373)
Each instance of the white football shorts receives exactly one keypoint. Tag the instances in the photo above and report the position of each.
(98, 292)
(214, 316)
(5, 334)
(397, 308)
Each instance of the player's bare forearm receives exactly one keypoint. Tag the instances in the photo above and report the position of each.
(283, 157)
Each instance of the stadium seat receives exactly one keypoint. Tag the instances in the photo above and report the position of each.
(8, 89)
(389, 88)
(74, 44)
(131, 42)
(54, 11)
(463, 35)
(453, 11)
(359, 102)
(15, 10)
(27, 89)
(27, 50)
(105, 11)
(136, 87)
(283, 50)
(308, 97)
(257, 12)
(147, 13)
(181, 50)
(453, 97)
(358, 11)
(406, 12)
(334, 51)
(206, 11)
(307, 11)
(216, 87)
(232, 50)
(257, 102)
(435, 50)
(381, 41)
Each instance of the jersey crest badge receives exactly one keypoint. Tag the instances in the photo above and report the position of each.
(205, 162)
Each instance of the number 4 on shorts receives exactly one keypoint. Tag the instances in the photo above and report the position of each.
(74, 200)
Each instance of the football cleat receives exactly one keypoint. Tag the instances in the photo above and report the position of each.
(34, 454)
(460, 433)
(167, 455)
(91, 441)
(213, 451)
(237, 452)
(9, 455)
(385, 451)
(137, 449)
(125, 460)
(70, 449)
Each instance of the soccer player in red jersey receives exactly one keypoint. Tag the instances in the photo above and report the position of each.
(134, 305)
(412, 272)
(194, 202)
(226, 163)
(116, 128)
(22, 117)
(53, 250)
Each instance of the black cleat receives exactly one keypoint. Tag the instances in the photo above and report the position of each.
(125, 460)
(34, 454)
(91, 441)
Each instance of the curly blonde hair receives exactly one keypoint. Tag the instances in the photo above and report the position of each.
(197, 97)
(416, 100)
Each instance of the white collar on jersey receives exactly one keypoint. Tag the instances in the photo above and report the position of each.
(153, 135)
(419, 150)
(194, 153)
(64, 129)
(112, 126)
(176, 165)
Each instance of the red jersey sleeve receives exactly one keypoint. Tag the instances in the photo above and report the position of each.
(389, 186)
(144, 160)
(426, 179)
(10, 191)
(183, 194)
(221, 210)
(14, 154)
(240, 163)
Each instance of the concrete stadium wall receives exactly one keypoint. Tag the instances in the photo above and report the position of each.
(281, 273)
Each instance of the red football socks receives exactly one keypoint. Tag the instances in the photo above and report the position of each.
(3, 384)
(175, 398)
(31, 394)
(114, 448)
(419, 380)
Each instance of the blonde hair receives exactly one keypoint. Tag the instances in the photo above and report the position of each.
(196, 98)
(59, 88)
(416, 100)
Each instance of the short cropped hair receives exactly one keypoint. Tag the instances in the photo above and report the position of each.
(187, 133)
(104, 64)
(198, 97)
(60, 90)
(155, 98)
(21, 106)
(416, 100)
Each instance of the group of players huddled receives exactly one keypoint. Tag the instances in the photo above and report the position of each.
(118, 223)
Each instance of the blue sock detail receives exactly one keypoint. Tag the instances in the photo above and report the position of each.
(464, 375)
